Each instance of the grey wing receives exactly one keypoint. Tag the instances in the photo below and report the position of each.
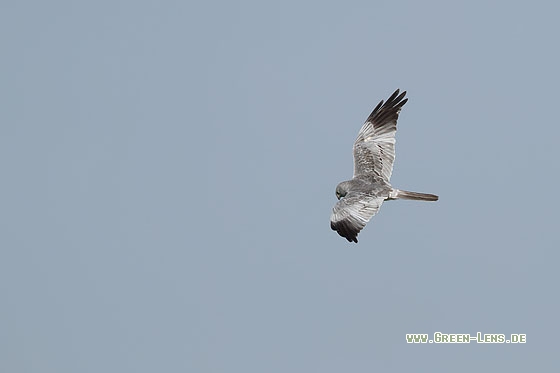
(374, 149)
(351, 214)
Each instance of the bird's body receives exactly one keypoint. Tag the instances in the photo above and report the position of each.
(374, 154)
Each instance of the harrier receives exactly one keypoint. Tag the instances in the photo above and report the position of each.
(374, 154)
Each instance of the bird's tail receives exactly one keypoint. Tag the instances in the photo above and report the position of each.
(403, 194)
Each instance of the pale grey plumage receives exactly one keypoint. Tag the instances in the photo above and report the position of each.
(374, 154)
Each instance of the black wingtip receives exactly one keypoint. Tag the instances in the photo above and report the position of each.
(394, 95)
(344, 229)
(389, 108)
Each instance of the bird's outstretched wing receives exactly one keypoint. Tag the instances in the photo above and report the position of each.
(351, 214)
(374, 149)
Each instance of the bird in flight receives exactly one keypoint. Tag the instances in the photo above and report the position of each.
(360, 198)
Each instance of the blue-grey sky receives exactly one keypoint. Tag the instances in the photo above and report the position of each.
(168, 173)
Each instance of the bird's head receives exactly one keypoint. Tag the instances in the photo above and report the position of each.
(342, 189)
